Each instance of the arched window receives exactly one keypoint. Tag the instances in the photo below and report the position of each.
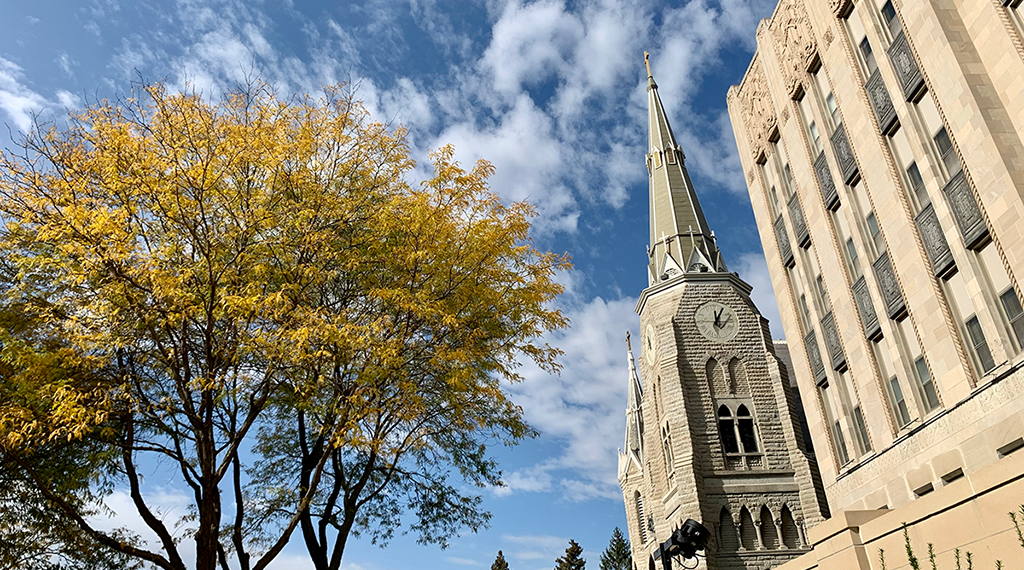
(716, 377)
(666, 440)
(729, 540)
(790, 534)
(748, 534)
(769, 534)
(738, 377)
(641, 519)
(745, 423)
(726, 428)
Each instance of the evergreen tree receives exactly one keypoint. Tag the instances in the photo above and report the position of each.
(617, 556)
(571, 560)
(499, 562)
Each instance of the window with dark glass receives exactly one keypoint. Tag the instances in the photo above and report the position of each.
(789, 180)
(775, 202)
(727, 430)
(862, 430)
(980, 344)
(815, 136)
(805, 311)
(1014, 313)
(833, 110)
(889, 15)
(876, 233)
(899, 403)
(869, 56)
(837, 433)
(931, 397)
(945, 147)
(822, 293)
(917, 184)
(853, 259)
(746, 429)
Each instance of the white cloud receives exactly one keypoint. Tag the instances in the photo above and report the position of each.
(754, 270)
(584, 407)
(16, 99)
(463, 561)
(535, 547)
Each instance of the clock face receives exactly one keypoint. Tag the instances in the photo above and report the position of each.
(716, 321)
(650, 345)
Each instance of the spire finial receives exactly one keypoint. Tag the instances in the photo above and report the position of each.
(647, 62)
(628, 345)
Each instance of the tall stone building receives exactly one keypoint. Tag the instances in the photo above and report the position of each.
(883, 147)
(712, 430)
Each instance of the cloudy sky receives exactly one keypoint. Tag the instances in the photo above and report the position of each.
(550, 91)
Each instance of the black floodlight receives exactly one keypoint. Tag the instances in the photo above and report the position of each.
(688, 539)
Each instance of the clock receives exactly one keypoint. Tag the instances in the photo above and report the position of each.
(717, 322)
(650, 345)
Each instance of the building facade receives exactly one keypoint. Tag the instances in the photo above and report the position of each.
(713, 432)
(883, 147)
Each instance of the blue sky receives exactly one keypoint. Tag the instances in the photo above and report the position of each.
(550, 91)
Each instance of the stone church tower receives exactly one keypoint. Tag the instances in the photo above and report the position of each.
(712, 430)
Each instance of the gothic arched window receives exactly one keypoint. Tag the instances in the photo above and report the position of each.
(641, 519)
(745, 425)
(716, 377)
(726, 427)
(738, 377)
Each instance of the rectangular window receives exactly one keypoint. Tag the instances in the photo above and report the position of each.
(917, 186)
(805, 311)
(946, 152)
(853, 260)
(931, 396)
(899, 403)
(833, 110)
(670, 155)
(1014, 313)
(876, 234)
(788, 175)
(657, 159)
(842, 454)
(891, 21)
(868, 55)
(862, 430)
(776, 210)
(979, 344)
(822, 293)
(815, 137)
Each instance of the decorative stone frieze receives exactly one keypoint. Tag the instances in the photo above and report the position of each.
(868, 316)
(796, 215)
(935, 242)
(907, 71)
(814, 356)
(840, 7)
(881, 102)
(757, 109)
(794, 44)
(825, 181)
(785, 249)
(832, 342)
(828, 37)
(965, 210)
(847, 164)
(785, 116)
(895, 306)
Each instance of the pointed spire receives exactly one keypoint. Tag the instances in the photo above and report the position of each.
(680, 236)
(634, 416)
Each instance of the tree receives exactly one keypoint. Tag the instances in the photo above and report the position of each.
(249, 291)
(571, 560)
(618, 555)
(499, 562)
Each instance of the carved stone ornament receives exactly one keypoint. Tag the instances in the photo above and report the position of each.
(757, 109)
(796, 215)
(785, 115)
(828, 37)
(965, 210)
(750, 175)
(832, 342)
(825, 181)
(839, 7)
(934, 241)
(794, 43)
(782, 237)
(814, 355)
(872, 328)
(895, 306)
(909, 75)
(881, 102)
(844, 154)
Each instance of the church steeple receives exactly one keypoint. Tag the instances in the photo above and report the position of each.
(681, 240)
(634, 414)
